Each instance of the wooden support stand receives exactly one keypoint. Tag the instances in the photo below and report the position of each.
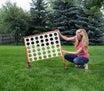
(63, 60)
(28, 64)
(26, 45)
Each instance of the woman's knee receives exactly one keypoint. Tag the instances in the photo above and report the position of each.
(75, 61)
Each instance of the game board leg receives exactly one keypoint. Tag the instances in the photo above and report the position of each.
(63, 60)
(28, 65)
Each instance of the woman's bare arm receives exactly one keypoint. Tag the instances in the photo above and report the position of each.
(75, 53)
(66, 38)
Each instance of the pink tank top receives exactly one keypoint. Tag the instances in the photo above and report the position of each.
(83, 53)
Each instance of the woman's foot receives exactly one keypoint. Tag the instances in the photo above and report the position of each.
(86, 66)
(77, 65)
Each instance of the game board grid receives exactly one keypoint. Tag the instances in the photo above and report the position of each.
(35, 51)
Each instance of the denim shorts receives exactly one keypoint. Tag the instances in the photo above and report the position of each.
(79, 60)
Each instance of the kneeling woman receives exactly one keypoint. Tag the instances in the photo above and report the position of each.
(81, 56)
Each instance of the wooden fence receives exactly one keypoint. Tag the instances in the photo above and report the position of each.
(7, 39)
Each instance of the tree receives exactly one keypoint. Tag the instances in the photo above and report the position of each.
(68, 18)
(39, 16)
(95, 30)
(3, 25)
(16, 20)
(92, 7)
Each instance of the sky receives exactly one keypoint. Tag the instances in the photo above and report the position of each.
(24, 4)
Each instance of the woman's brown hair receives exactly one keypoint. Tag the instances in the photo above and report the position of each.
(85, 40)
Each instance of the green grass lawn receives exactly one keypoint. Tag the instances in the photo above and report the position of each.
(50, 75)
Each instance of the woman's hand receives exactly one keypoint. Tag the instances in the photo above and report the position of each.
(57, 30)
(63, 51)
(59, 33)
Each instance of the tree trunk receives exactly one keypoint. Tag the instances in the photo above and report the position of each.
(16, 39)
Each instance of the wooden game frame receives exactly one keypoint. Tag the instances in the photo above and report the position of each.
(28, 63)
